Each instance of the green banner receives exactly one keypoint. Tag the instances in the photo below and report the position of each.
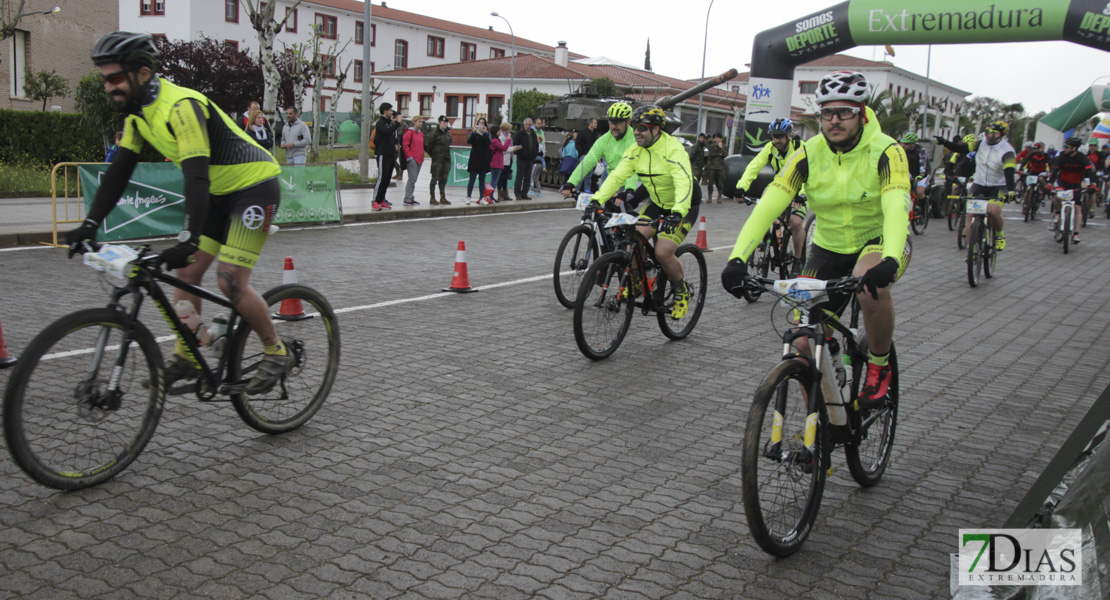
(153, 202)
(459, 176)
(955, 22)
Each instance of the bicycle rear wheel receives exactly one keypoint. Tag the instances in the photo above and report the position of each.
(694, 270)
(62, 426)
(312, 339)
(920, 217)
(990, 255)
(1027, 203)
(961, 231)
(1066, 218)
(759, 265)
(868, 454)
(974, 253)
(603, 311)
(953, 215)
(783, 478)
(577, 250)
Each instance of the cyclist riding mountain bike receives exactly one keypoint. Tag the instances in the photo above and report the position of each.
(782, 145)
(1036, 162)
(611, 147)
(1072, 171)
(857, 184)
(994, 176)
(663, 166)
(231, 190)
(1024, 152)
(917, 159)
(959, 163)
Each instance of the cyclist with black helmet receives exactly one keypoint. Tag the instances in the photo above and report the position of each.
(1071, 170)
(857, 184)
(663, 167)
(783, 144)
(610, 147)
(231, 189)
(994, 177)
(917, 157)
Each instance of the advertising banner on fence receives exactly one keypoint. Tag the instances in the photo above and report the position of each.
(153, 203)
(459, 176)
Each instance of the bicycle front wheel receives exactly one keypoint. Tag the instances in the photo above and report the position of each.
(990, 255)
(785, 457)
(577, 250)
(308, 327)
(603, 309)
(62, 425)
(974, 253)
(694, 270)
(920, 219)
(1065, 227)
(868, 454)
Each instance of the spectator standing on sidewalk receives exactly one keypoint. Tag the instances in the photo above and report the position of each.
(294, 137)
(585, 141)
(480, 159)
(697, 158)
(114, 147)
(539, 164)
(438, 147)
(385, 152)
(526, 140)
(715, 167)
(501, 149)
(260, 131)
(569, 155)
(413, 145)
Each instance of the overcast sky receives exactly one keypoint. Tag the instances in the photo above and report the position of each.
(1040, 75)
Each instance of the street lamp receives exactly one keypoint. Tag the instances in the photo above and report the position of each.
(705, 43)
(512, 63)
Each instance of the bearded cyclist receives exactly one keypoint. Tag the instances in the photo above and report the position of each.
(1036, 163)
(662, 164)
(1071, 170)
(994, 177)
(782, 145)
(611, 147)
(231, 190)
(917, 158)
(857, 184)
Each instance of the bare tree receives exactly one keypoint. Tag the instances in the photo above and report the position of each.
(297, 70)
(322, 64)
(267, 28)
(340, 79)
(9, 19)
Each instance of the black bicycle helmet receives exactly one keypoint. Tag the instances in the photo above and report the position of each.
(649, 115)
(131, 50)
(1073, 141)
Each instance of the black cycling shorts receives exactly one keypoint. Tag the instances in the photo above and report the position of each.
(825, 264)
(238, 223)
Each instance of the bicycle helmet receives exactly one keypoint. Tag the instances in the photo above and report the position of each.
(781, 127)
(649, 115)
(131, 50)
(910, 138)
(969, 138)
(1073, 141)
(1028, 144)
(1038, 146)
(843, 85)
(999, 126)
(619, 111)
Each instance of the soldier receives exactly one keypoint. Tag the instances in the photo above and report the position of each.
(715, 167)
(438, 147)
(697, 157)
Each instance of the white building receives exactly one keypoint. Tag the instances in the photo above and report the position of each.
(398, 39)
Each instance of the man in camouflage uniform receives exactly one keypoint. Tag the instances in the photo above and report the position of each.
(697, 157)
(715, 167)
(438, 148)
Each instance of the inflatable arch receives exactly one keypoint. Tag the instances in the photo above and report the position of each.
(775, 52)
(1051, 129)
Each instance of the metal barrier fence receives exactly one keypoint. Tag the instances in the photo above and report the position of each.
(73, 207)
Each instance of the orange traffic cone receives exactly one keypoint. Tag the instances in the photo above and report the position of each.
(6, 359)
(291, 308)
(701, 242)
(461, 281)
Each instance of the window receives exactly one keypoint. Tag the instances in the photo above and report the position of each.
(470, 105)
(152, 7)
(452, 106)
(401, 54)
(358, 71)
(232, 47)
(426, 105)
(18, 64)
(291, 20)
(329, 65)
(403, 103)
(360, 28)
(327, 26)
(497, 53)
(324, 109)
(231, 10)
(807, 87)
(435, 46)
(468, 52)
(493, 106)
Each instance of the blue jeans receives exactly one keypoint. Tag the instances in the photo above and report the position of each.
(495, 177)
(481, 185)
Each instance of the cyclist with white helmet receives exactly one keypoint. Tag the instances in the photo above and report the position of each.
(857, 184)
(783, 144)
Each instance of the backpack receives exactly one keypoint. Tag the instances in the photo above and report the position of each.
(372, 132)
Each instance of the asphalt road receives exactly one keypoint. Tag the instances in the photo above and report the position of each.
(469, 451)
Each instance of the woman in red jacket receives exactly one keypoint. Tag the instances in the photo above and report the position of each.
(413, 145)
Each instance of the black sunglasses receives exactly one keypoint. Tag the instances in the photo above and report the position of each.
(843, 112)
(114, 78)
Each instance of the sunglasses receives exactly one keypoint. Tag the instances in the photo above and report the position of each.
(843, 112)
(641, 127)
(114, 78)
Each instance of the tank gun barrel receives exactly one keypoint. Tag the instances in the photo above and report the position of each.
(670, 101)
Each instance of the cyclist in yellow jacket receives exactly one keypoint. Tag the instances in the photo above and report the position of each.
(782, 145)
(663, 167)
(857, 183)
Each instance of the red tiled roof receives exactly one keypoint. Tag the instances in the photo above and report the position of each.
(392, 14)
(527, 66)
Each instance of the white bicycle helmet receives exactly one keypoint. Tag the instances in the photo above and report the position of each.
(843, 85)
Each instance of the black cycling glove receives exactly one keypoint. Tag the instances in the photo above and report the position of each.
(179, 256)
(670, 223)
(879, 276)
(74, 237)
(734, 277)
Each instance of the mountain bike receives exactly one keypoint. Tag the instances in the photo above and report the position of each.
(775, 253)
(631, 277)
(87, 393)
(919, 214)
(580, 247)
(807, 406)
(1064, 227)
(981, 255)
(956, 201)
(1032, 197)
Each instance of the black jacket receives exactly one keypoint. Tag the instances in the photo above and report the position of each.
(385, 137)
(526, 139)
(479, 152)
(585, 141)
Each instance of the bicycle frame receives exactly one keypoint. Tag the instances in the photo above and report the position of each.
(641, 254)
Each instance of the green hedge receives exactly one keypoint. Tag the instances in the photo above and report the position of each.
(47, 137)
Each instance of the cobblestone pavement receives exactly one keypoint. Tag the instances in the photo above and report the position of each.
(469, 451)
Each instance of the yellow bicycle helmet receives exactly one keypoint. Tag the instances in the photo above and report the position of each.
(619, 111)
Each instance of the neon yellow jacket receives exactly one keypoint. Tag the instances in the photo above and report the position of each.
(769, 154)
(856, 195)
(663, 169)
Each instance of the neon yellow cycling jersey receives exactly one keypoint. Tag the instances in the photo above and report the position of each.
(172, 125)
(663, 169)
(769, 154)
(857, 195)
(609, 148)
